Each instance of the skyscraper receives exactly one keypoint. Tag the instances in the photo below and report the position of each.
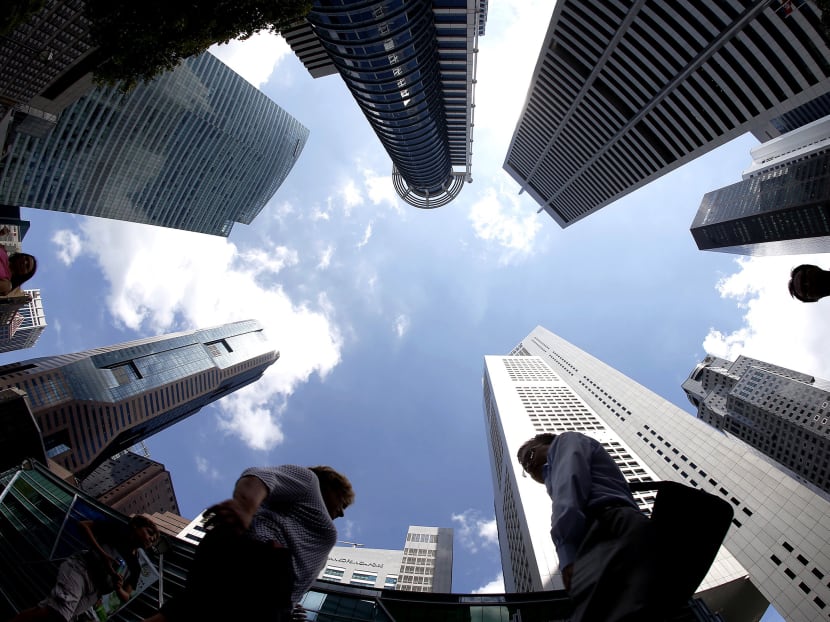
(411, 68)
(781, 413)
(198, 148)
(782, 206)
(780, 535)
(27, 325)
(90, 405)
(624, 92)
(132, 484)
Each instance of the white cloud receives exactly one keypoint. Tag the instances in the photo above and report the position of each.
(163, 280)
(474, 531)
(500, 218)
(366, 236)
(318, 213)
(259, 260)
(496, 586)
(69, 245)
(401, 325)
(254, 58)
(325, 257)
(380, 190)
(776, 328)
(351, 195)
(204, 467)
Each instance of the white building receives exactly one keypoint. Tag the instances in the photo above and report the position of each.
(424, 565)
(780, 535)
(27, 326)
(782, 413)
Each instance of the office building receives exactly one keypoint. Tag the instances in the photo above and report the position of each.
(782, 206)
(132, 484)
(411, 68)
(169, 523)
(780, 536)
(780, 412)
(44, 66)
(623, 93)
(198, 148)
(26, 326)
(424, 565)
(93, 404)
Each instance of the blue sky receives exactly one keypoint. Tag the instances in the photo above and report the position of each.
(383, 313)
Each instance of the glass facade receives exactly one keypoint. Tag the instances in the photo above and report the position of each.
(198, 149)
(411, 68)
(785, 210)
(99, 402)
(38, 515)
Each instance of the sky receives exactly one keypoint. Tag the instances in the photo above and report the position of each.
(382, 313)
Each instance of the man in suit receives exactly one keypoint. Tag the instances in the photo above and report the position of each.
(603, 541)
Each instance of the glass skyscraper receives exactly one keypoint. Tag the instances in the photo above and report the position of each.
(93, 404)
(782, 206)
(198, 148)
(780, 534)
(624, 92)
(411, 67)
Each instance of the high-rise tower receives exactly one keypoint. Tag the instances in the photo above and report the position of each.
(93, 404)
(26, 326)
(411, 67)
(198, 148)
(780, 535)
(782, 206)
(782, 413)
(624, 92)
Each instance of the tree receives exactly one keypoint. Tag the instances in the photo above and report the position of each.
(137, 40)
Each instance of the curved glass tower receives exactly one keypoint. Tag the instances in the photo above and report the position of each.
(411, 68)
(197, 148)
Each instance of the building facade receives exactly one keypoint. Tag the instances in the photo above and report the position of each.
(424, 565)
(780, 412)
(132, 484)
(624, 92)
(26, 326)
(198, 148)
(782, 206)
(411, 68)
(93, 404)
(780, 534)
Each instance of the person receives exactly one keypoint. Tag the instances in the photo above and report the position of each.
(111, 564)
(602, 539)
(263, 547)
(809, 283)
(15, 270)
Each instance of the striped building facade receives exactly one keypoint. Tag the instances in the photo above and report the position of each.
(624, 92)
(411, 68)
(780, 534)
(198, 148)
